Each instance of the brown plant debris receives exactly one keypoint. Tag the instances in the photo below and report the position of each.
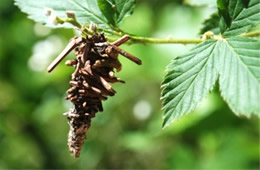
(95, 63)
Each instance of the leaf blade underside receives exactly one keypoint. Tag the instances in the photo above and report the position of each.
(188, 80)
(86, 11)
(234, 61)
(240, 75)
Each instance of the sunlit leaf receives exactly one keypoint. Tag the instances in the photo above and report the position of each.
(85, 11)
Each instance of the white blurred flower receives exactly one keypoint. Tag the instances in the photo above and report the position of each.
(142, 110)
(53, 19)
(51, 14)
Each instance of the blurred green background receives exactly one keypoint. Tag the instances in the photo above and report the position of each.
(128, 134)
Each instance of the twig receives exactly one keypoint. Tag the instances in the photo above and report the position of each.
(72, 44)
(121, 40)
(126, 54)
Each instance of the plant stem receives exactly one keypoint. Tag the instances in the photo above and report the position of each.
(72, 21)
(251, 34)
(110, 32)
(148, 40)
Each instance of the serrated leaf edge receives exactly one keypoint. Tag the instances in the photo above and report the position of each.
(166, 123)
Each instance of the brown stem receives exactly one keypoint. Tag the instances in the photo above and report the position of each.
(121, 40)
(127, 55)
(72, 44)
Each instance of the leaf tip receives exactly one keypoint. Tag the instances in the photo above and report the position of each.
(167, 120)
(166, 123)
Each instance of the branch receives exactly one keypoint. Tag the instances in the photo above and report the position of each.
(251, 34)
(147, 40)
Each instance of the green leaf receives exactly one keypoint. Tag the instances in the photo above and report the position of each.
(102, 12)
(225, 19)
(124, 8)
(107, 7)
(116, 10)
(85, 11)
(237, 16)
(189, 78)
(240, 75)
(211, 24)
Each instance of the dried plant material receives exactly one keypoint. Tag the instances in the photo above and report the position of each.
(95, 65)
